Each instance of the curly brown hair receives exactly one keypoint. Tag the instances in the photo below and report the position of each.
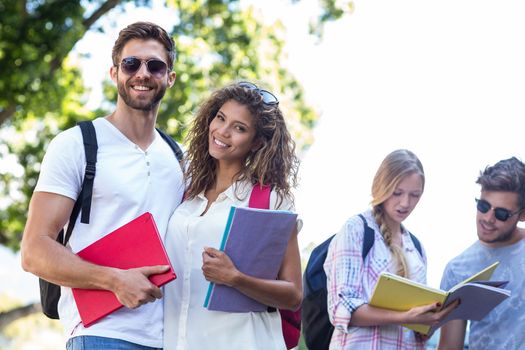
(274, 163)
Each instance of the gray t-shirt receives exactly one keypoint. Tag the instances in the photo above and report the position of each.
(503, 327)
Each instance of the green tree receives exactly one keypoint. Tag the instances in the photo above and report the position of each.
(329, 10)
(217, 42)
(41, 89)
(35, 39)
(40, 92)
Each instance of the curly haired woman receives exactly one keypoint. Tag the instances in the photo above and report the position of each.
(238, 139)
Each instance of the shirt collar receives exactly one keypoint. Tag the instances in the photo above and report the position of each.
(237, 191)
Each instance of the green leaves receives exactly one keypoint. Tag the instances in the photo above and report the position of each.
(331, 10)
(41, 90)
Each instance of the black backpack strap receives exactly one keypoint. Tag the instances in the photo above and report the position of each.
(417, 244)
(90, 149)
(83, 201)
(173, 145)
(368, 238)
(72, 221)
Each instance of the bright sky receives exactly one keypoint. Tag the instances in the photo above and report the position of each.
(444, 79)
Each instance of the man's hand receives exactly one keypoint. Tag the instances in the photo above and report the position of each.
(133, 288)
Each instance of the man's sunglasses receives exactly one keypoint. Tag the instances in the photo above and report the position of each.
(130, 66)
(267, 97)
(501, 214)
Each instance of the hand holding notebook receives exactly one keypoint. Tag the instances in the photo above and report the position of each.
(134, 285)
(255, 240)
(137, 244)
(477, 296)
(217, 266)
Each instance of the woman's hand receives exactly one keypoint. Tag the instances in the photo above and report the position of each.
(217, 267)
(429, 314)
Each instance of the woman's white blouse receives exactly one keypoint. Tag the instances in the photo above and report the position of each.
(187, 323)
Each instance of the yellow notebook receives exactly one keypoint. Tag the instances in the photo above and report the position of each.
(401, 294)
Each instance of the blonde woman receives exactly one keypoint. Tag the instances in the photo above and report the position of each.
(396, 190)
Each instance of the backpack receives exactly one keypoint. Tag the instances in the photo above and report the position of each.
(317, 328)
(50, 292)
(290, 320)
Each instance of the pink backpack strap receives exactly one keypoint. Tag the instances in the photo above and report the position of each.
(290, 320)
(260, 197)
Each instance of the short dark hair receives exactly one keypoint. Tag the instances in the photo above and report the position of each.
(506, 175)
(143, 31)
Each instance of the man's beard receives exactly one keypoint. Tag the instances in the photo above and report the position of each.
(503, 237)
(143, 105)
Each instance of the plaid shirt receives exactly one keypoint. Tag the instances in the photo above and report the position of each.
(351, 282)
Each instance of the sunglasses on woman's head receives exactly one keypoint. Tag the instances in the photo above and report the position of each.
(131, 65)
(267, 96)
(501, 214)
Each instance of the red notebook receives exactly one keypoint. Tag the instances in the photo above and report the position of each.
(135, 244)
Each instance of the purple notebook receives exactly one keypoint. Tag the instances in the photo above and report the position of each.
(255, 240)
(478, 298)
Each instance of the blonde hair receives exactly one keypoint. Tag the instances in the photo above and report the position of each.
(395, 167)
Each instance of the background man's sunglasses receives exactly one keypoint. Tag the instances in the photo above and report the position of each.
(501, 214)
(268, 97)
(130, 66)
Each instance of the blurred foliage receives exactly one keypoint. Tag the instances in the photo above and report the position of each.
(35, 38)
(330, 10)
(31, 332)
(26, 141)
(42, 92)
(217, 43)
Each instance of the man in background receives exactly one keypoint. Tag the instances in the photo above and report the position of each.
(500, 207)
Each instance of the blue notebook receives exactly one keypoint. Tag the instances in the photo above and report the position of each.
(255, 240)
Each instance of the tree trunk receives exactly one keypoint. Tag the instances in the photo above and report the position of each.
(12, 315)
(7, 113)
